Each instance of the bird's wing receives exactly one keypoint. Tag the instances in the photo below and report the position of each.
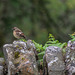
(18, 30)
(21, 34)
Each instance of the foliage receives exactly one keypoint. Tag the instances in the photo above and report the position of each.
(1, 54)
(23, 40)
(72, 36)
(51, 42)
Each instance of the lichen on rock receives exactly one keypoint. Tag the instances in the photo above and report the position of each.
(70, 58)
(53, 61)
(20, 58)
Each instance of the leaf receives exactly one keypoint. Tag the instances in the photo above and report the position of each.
(62, 45)
(64, 50)
(56, 41)
(40, 55)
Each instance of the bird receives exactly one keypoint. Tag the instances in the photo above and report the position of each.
(18, 33)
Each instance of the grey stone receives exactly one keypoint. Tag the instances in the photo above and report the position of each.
(70, 59)
(20, 58)
(53, 61)
(1, 65)
(1, 70)
(69, 44)
(2, 61)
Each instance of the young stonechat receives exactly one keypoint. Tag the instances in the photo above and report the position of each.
(18, 33)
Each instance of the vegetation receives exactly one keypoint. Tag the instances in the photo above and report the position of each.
(72, 37)
(51, 42)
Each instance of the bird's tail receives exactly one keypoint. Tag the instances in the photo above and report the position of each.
(22, 35)
(25, 37)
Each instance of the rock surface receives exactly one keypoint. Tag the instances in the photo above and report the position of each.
(1, 66)
(20, 58)
(70, 58)
(53, 61)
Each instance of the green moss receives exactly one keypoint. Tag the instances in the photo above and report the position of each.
(23, 40)
(3, 62)
(1, 54)
(23, 58)
(20, 48)
(17, 46)
(16, 55)
(17, 63)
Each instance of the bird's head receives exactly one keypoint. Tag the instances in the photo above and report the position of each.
(14, 28)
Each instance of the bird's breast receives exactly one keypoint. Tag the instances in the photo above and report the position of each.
(16, 35)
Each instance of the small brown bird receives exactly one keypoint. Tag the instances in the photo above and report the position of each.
(18, 33)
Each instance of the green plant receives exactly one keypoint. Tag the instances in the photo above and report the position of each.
(23, 40)
(72, 37)
(51, 42)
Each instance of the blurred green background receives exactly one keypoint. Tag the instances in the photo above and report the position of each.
(37, 18)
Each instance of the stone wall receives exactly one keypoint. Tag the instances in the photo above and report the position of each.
(21, 59)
